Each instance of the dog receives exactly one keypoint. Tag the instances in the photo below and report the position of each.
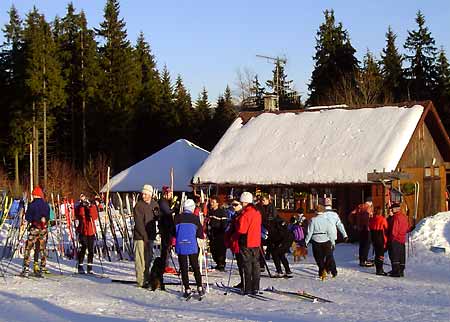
(156, 275)
(299, 251)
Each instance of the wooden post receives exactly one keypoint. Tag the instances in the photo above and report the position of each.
(31, 169)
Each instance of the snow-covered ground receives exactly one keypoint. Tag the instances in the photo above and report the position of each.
(358, 294)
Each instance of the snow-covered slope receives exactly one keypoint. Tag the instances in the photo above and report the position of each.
(358, 294)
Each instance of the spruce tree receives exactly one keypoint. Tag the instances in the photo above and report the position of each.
(183, 106)
(202, 120)
(168, 115)
(442, 89)
(119, 84)
(394, 82)
(335, 62)
(146, 122)
(224, 114)
(44, 81)
(258, 92)
(370, 81)
(282, 87)
(422, 58)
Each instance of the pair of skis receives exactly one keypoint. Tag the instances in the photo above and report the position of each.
(299, 294)
(239, 291)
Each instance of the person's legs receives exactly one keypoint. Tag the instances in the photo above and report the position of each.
(364, 246)
(183, 262)
(83, 246)
(255, 269)
(139, 262)
(193, 261)
(241, 270)
(90, 248)
(318, 256)
(402, 258)
(247, 266)
(33, 238)
(394, 255)
(276, 259)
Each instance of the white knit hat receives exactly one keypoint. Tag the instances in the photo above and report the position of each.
(189, 205)
(246, 197)
(147, 189)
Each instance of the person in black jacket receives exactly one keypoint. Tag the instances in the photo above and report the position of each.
(217, 224)
(37, 216)
(280, 240)
(268, 213)
(166, 228)
(145, 213)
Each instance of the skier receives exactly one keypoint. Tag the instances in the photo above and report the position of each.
(37, 215)
(335, 220)
(145, 213)
(188, 229)
(320, 233)
(232, 239)
(86, 214)
(268, 213)
(216, 232)
(378, 227)
(280, 241)
(398, 228)
(166, 228)
(361, 216)
(249, 227)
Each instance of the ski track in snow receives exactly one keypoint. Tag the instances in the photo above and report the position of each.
(358, 294)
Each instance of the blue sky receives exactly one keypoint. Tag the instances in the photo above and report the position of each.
(207, 42)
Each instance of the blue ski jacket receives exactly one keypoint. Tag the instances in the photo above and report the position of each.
(37, 209)
(188, 229)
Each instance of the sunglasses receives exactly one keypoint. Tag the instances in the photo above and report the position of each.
(235, 204)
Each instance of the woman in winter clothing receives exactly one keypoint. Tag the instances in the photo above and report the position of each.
(320, 232)
(249, 228)
(398, 228)
(378, 227)
(37, 216)
(188, 229)
(166, 228)
(86, 214)
(232, 240)
(280, 241)
(216, 232)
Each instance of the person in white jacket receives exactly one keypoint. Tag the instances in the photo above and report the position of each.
(336, 222)
(320, 233)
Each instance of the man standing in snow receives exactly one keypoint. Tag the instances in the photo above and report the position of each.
(216, 232)
(145, 213)
(363, 215)
(188, 229)
(249, 228)
(378, 227)
(320, 232)
(333, 217)
(398, 228)
(166, 227)
(37, 215)
(86, 214)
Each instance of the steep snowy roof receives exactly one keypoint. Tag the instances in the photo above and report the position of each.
(183, 156)
(325, 146)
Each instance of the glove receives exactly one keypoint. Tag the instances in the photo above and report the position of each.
(346, 240)
(173, 241)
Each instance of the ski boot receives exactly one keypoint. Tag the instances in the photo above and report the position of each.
(25, 272)
(201, 291)
(44, 270)
(36, 268)
(323, 276)
(187, 293)
(81, 269)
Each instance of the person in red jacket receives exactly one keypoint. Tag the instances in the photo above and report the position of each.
(398, 228)
(249, 228)
(378, 232)
(86, 214)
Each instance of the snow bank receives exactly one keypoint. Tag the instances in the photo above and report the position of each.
(434, 231)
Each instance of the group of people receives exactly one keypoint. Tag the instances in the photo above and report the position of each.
(385, 234)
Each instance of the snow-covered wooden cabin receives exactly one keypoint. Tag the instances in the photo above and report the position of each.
(298, 156)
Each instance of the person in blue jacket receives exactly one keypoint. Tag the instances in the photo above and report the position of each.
(188, 228)
(37, 216)
(321, 234)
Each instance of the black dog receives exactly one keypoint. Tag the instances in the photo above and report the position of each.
(156, 275)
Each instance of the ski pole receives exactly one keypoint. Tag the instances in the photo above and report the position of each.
(96, 244)
(229, 276)
(206, 268)
(261, 253)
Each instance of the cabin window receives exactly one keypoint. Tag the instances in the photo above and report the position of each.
(427, 172)
(436, 172)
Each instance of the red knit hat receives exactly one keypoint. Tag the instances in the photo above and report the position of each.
(37, 191)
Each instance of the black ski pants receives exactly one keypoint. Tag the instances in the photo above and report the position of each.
(240, 265)
(86, 242)
(330, 263)
(279, 257)
(397, 255)
(218, 249)
(193, 261)
(250, 260)
(364, 245)
(165, 249)
(321, 251)
(377, 237)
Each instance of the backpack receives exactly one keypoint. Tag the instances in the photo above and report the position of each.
(297, 230)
